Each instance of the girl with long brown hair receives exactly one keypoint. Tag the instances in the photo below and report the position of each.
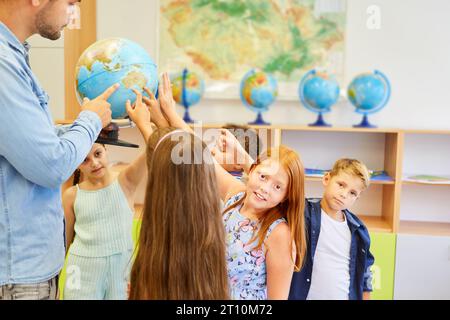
(181, 249)
(263, 219)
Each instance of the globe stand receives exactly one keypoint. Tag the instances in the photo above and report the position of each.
(364, 123)
(259, 121)
(320, 122)
(187, 117)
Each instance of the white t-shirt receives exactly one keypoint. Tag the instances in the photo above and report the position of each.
(330, 278)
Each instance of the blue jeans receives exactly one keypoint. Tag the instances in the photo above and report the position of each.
(47, 290)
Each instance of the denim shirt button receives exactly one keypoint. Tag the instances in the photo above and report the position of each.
(307, 280)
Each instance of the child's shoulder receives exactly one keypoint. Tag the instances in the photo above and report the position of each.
(70, 194)
(357, 222)
(234, 198)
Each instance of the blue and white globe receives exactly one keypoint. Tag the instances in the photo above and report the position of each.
(318, 92)
(111, 61)
(369, 93)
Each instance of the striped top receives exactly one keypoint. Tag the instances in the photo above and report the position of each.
(103, 222)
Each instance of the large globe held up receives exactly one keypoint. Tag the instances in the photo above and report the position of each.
(111, 61)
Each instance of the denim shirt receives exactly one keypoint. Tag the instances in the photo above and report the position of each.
(34, 162)
(360, 257)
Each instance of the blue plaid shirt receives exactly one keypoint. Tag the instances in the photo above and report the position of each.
(34, 162)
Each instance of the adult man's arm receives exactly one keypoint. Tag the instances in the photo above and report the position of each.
(27, 135)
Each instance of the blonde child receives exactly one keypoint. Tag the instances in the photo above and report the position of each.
(338, 263)
(99, 213)
(263, 220)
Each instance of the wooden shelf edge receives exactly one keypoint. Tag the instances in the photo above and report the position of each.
(412, 183)
(424, 228)
(376, 224)
(378, 182)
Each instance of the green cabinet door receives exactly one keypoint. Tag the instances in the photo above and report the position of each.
(383, 246)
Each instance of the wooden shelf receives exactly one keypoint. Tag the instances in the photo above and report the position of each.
(335, 129)
(376, 224)
(416, 183)
(425, 228)
(444, 132)
(290, 127)
(319, 179)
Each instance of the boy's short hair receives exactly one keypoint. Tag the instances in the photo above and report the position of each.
(247, 137)
(353, 167)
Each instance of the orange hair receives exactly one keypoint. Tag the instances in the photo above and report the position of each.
(292, 208)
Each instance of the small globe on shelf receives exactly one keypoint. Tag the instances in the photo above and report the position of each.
(369, 93)
(187, 90)
(258, 91)
(111, 61)
(318, 92)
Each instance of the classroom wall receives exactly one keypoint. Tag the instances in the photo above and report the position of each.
(411, 47)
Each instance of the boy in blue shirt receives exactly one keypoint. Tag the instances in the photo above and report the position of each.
(338, 261)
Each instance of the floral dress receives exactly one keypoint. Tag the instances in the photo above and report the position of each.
(246, 265)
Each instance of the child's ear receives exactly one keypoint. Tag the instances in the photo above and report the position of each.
(326, 179)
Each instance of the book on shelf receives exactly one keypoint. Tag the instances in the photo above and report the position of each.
(315, 172)
(426, 178)
(378, 175)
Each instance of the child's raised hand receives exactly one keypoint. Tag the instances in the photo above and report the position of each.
(227, 143)
(156, 114)
(167, 104)
(138, 113)
(166, 100)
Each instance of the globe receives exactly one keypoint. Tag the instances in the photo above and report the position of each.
(258, 91)
(369, 93)
(318, 92)
(187, 89)
(111, 61)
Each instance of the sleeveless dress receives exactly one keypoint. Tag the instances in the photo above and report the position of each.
(246, 265)
(99, 259)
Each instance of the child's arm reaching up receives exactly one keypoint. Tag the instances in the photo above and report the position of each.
(167, 105)
(228, 147)
(228, 185)
(156, 114)
(131, 177)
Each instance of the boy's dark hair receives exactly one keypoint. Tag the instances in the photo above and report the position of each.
(247, 137)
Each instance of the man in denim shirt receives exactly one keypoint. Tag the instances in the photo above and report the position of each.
(34, 160)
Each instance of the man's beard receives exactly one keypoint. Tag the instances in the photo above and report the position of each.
(44, 29)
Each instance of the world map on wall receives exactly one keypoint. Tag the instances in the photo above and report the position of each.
(222, 40)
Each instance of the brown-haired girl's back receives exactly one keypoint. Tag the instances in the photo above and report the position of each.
(181, 250)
